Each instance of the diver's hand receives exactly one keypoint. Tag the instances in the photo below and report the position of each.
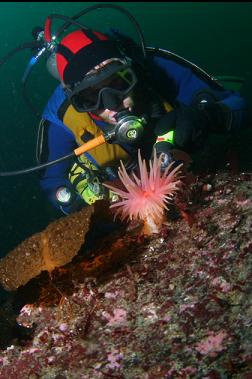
(163, 152)
(166, 159)
(169, 155)
(185, 128)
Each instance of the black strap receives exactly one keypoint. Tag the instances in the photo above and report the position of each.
(65, 51)
(62, 109)
(91, 35)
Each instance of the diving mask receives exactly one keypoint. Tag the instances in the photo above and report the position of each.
(104, 89)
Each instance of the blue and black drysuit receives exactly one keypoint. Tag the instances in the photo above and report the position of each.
(180, 86)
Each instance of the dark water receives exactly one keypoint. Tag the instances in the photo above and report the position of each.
(216, 36)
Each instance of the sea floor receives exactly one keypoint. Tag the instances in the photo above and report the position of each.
(174, 305)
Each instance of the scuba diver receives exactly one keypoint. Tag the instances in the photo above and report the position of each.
(128, 97)
(101, 88)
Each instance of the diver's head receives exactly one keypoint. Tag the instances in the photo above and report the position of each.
(96, 76)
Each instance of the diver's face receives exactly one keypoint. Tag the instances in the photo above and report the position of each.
(109, 115)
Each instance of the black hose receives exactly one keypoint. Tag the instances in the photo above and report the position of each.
(66, 18)
(30, 105)
(39, 167)
(27, 45)
(185, 62)
(38, 44)
(100, 6)
(24, 46)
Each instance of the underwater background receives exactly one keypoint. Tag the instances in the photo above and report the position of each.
(216, 36)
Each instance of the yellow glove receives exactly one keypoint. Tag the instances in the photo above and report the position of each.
(85, 180)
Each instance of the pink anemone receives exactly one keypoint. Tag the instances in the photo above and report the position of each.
(146, 197)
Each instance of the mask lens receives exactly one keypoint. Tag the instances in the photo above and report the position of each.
(119, 83)
(86, 99)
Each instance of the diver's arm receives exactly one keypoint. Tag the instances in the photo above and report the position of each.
(60, 143)
(190, 90)
(200, 110)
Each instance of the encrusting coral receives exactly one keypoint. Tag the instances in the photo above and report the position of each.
(146, 197)
(53, 247)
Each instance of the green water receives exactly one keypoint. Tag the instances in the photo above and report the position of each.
(216, 36)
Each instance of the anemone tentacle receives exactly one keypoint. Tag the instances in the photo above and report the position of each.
(147, 195)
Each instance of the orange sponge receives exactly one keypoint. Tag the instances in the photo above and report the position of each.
(53, 247)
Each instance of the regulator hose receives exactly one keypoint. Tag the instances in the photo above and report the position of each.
(78, 151)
